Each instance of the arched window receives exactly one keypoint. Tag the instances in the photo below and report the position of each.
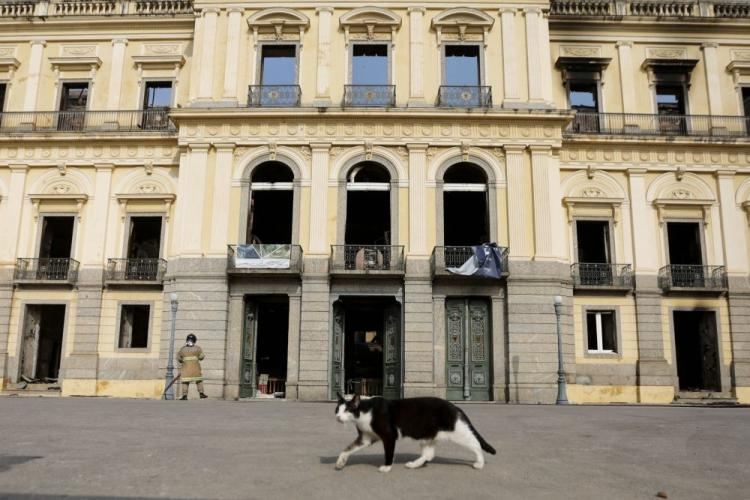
(368, 205)
(270, 216)
(466, 218)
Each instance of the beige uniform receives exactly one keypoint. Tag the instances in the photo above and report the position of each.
(190, 357)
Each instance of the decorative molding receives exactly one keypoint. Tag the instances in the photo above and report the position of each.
(462, 24)
(278, 23)
(8, 62)
(367, 22)
(666, 53)
(580, 51)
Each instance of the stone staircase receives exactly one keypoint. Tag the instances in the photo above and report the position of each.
(32, 390)
(705, 398)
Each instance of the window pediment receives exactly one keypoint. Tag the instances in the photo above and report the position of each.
(462, 24)
(278, 24)
(370, 23)
(739, 66)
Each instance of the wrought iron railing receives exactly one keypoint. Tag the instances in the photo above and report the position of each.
(46, 269)
(364, 258)
(148, 120)
(282, 96)
(465, 96)
(652, 8)
(692, 276)
(135, 269)
(662, 125)
(444, 257)
(382, 96)
(602, 275)
(263, 258)
(45, 8)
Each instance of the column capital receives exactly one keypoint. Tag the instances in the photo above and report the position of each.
(417, 146)
(225, 146)
(119, 41)
(320, 146)
(18, 167)
(38, 41)
(235, 10)
(725, 173)
(540, 149)
(104, 167)
(532, 10)
(624, 43)
(211, 10)
(636, 172)
(709, 45)
(507, 10)
(199, 147)
(420, 10)
(514, 148)
(329, 10)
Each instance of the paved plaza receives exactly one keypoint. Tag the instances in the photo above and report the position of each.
(81, 447)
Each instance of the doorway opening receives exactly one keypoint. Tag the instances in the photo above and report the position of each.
(42, 343)
(468, 334)
(264, 366)
(465, 212)
(271, 205)
(367, 349)
(697, 351)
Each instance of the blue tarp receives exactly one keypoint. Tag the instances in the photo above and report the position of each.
(487, 262)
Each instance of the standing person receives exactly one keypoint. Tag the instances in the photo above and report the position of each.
(189, 358)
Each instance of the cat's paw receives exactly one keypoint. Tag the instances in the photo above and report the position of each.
(384, 468)
(478, 465)
(414, 464)
(340, 463)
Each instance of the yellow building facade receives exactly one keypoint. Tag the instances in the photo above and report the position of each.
(311, 188)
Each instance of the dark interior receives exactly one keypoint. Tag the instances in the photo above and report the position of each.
(57, 237)
(363, 346)
(684, 243)
(697, 351)
(137, 318)
(271, 209)
(49, 348)
(145, 238)
(465, 213)
(368, 213)
(593, 241)
(273, 330)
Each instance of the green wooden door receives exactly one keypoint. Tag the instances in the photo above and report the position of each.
(392, 352)
(249, 345)
(337, 351)
(467, 332)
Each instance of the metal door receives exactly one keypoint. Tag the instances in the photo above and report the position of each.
(392, 352)
(249, 345)
(467, 332)
(337, 348)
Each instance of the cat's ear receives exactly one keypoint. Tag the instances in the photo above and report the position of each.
(341, 398)
(355, 401)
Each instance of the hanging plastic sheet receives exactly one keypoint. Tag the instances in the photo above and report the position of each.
(263, 256)
(486, 262)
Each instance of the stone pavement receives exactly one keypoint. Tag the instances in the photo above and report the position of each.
(80, 447)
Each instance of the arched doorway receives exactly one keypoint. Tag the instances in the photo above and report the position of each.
(368, 205)
(270, 216)
(466, 218)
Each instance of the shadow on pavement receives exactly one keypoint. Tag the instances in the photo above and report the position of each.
(398, 459)
(7, 462)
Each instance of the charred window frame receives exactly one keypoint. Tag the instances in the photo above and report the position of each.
(608, 239)
(41, 229)
(3, 95)
(129, 228)
(700, 223)
(665, 74)
(157, 84)
(602, 333)
(583, 73)
(134, 326)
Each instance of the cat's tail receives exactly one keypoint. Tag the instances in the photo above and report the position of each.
(484, 444)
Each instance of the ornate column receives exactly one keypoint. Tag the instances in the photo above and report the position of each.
(234, 21)
(208, 51)
(319, 199)
(323, 80)
(511, 95)
(115, 75)
(417, 195)
(543, 200)
(518, 218)
(713, 79)
(34, 74)
(190, 200)
(221, 196)
(416, 57)
(535, 57)
(627, 84)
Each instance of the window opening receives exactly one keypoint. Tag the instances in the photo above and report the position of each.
(271, 204)
(134, 322)
(368, 205)
(583, 96)
(601, 331)
(42, 343)
(462, 65)
(273, 332)
(144, 241)
(684, 243)
(3, 90)
(158, 95)
(670, 104)
(746, 107)
(593, 241)
(465, 206)
(696, 347)
(73, 101)
(57, 237)
(370, 64)
(278, 65)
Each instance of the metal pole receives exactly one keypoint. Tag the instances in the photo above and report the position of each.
(169, 395)
(562, 397)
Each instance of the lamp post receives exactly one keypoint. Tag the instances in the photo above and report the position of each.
(169, 395)
(562, 397)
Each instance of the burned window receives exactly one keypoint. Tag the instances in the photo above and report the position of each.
(271, 204)
(73, 102)
(3, 91)
(601, 332)
(157, 95)
(134, 326)
(57, 237)
(583, 96)
(465, 206)
(684, 243)
(368, 205)
(592, 240)
(144, 239)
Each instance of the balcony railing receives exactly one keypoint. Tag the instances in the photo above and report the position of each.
(652, 8)
(381, 96)
(136, 270)
(602, 275)
(46, 269)
(454, 257)
(47, 8)
(150, 120)
(683, 276)
(279, 96)
(465, 96)
(260, 259)
(659, 125)
(377, 259)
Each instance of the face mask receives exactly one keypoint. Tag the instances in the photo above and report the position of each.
(190, 343)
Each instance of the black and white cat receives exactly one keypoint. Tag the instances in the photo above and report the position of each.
(427, 420)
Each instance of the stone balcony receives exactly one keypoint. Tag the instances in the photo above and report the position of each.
(693, 278)
(46, 271)
(636, 124)
(137, 271)
(373, 260)
(600, 276)
(660, 9)
(135, 121)
(52, 8)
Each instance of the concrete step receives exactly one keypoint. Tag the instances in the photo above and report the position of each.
(705, 398)
(35, 390)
